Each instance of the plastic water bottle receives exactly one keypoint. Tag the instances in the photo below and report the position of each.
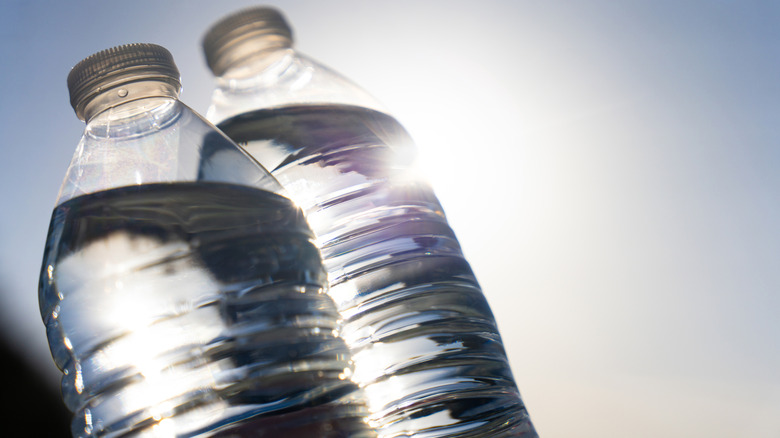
(181, 295)
(425, 344)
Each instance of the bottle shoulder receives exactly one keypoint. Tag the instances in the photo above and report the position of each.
(164, 143)
(294, 80)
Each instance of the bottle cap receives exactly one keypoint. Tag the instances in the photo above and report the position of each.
(118, 66)
(244, 33)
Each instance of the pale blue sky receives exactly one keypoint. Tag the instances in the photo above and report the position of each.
(611, 169)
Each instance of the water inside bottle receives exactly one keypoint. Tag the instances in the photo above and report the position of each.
(194, 308)
(424, 341)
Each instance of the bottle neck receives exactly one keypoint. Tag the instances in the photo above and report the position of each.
(141, 94)
(133, 109)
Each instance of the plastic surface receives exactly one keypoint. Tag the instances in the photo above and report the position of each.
(181, 295)
(156, 140)
(424, 341)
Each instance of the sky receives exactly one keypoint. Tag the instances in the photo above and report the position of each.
(610, 168)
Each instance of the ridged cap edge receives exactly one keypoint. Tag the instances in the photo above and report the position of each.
(117, 65)
(244, 33)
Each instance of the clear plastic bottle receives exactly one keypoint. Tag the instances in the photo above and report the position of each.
(181, 295)
(425, 344)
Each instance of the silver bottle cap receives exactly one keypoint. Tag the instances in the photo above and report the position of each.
(243, 34)
(118, 66)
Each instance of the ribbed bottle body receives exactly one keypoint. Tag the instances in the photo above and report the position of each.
(193, 308)
(425, 344)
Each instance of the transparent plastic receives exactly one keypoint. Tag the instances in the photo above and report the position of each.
(181, 295)
(282, 77)
(425, 344)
